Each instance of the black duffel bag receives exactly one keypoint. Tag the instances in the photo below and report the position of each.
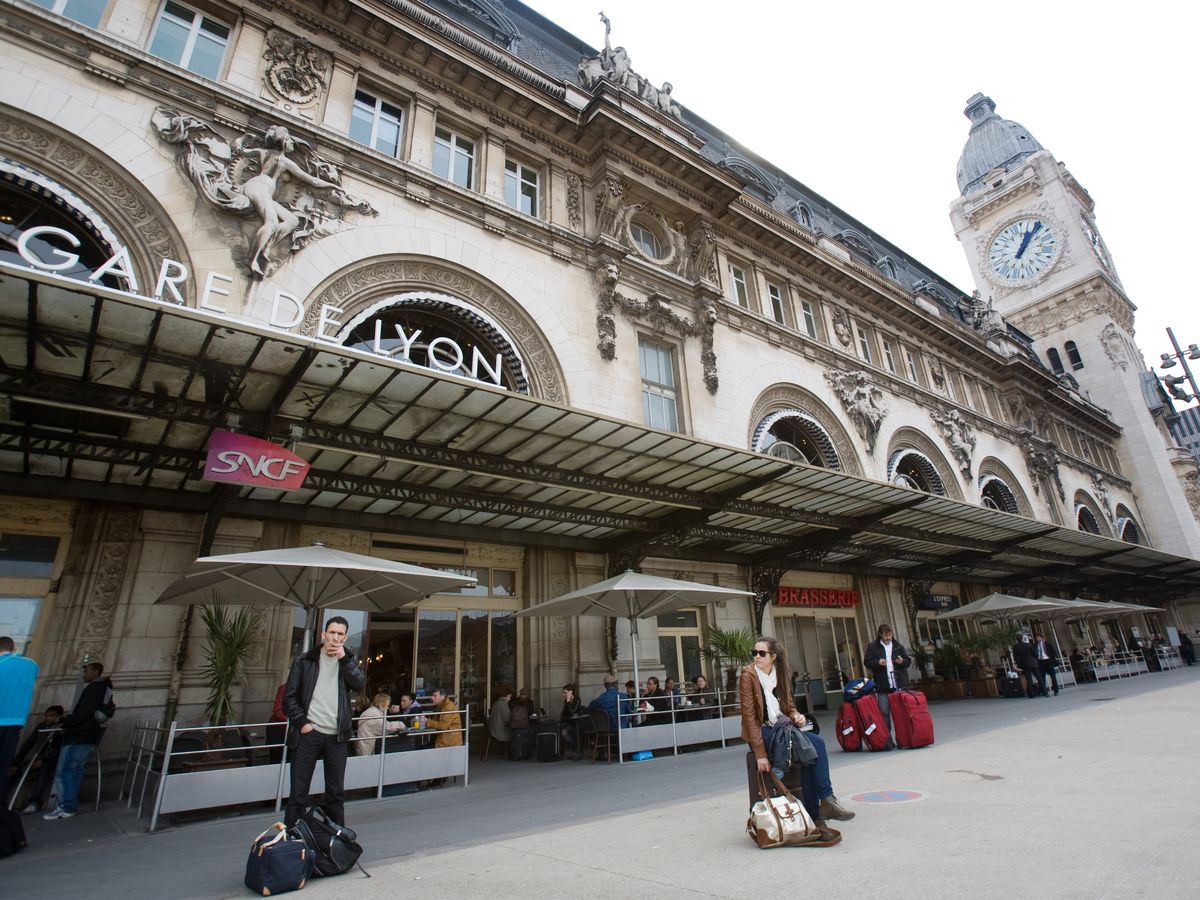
(335, 847)
(277, 864)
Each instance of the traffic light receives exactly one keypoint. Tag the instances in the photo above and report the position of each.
(1173, 383)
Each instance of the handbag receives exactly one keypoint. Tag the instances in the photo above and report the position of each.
(277, 864)
(782, 820)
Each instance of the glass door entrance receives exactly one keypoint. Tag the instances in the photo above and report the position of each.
(824, 653)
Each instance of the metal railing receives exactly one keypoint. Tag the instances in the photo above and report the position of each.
(1119, 664)
(184, 768)
(684, 723)
(1169, 658)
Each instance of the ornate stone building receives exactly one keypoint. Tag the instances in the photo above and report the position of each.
(524, 315)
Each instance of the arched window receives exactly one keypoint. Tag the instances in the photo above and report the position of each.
(1056, 365)
(1073, 355)
(995, 494)
(1126, 528)
(913, 469)
(1085, 519)
(646, 240)
(794, 434)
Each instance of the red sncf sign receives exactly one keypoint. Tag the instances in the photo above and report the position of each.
(791, 596)
(239, 459)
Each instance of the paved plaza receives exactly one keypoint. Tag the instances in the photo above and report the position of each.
(1089, 794)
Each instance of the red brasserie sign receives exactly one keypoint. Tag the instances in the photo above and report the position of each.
(791, 596)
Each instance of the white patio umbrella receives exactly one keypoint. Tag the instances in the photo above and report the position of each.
(309, 578)
(633, 596)
(998, 606)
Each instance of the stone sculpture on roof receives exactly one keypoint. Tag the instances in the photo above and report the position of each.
(980, 315)
(613, 64)
(248, 177)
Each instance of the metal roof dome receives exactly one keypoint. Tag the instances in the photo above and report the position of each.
(995, 143)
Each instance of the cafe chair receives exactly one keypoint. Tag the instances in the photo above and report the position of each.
(605, 737)
(489, 742)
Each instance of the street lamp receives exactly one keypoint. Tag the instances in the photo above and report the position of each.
(1173, 382)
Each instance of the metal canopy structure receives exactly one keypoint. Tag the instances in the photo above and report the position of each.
(114, 397)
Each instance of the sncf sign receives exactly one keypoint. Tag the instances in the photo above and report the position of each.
(239, 459)
(791, 596)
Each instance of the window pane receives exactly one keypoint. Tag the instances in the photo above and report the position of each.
(684, 618)
(504, 649)
(362, 118)
(462, 167)
(390, 667)
(668, 652)
(689, 646)
(26, 556)
(17, 618)
(504, 583)
(529, 198)
(171, 36)
(510, 189)
(441, 159)
(435, 650)
(85, 12)
(207, 54)
(387, 138)
(473, 680)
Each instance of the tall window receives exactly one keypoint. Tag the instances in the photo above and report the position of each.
(864, 342)
(737, 283)
(85, 12)
(776, 297)
(1073, 355)
(26, 566)
(910, 363)
(660, 403)
(190, 39)
(376, 123)
(810, 318)
(1056, 365)
(521, 188)
(453, 157)
(889, 357)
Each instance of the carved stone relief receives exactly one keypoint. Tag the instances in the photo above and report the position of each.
(863, 401)
(841, 324)
(655, 310)
(574, 202)
(112, 560)
(1114, 347)
(1100, 489)
(297, 72)
(609, 205)
(1042, 459)
(247, 178)
(357, 288)
(959, 436)
(980, 315)
(702, 254)
(1191, 490)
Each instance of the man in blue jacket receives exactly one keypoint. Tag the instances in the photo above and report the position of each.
(610, 702)
(17, 675)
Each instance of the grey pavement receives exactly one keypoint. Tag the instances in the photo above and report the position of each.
(1088, 794)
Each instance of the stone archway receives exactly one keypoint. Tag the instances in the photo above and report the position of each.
(993, 469)
(358, 287)
(780, 397)
(911, 439)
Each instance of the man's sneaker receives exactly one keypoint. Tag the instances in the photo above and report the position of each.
(832, 809)
(30, 809)
(57, 813)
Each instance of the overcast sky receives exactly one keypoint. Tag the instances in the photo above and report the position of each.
(863, 103)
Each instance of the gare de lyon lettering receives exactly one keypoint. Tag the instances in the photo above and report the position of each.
(441, 353)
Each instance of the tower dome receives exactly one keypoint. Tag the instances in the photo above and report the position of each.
(994, 143)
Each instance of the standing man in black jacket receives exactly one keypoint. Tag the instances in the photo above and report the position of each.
(887, 662)
(81, 732)
(1026, 660)
(317, 704)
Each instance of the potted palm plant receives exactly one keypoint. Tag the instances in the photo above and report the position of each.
(727, 650)
(226, 648)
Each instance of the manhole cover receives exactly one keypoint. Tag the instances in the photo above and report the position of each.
(887, 796)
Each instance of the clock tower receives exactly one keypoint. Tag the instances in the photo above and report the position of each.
(1029, 231)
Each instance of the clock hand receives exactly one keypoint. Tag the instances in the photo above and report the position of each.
(1027, 238)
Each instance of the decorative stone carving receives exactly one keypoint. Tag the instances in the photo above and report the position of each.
(297, 71)
(655, 310)
(938, 376)
(574, 202)
(1114, 347)
(841, 324)
(749, 172)
(613, 65)
(1100, 489)
(609, 205)
(702, 253)
(246, 178)
(863, 401)
(1041, 457)
(105, 590)
(979, 315)
(1191, 490)
(959, 436)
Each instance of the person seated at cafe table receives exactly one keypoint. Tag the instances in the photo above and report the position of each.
(701, 696)
(522, 711)
(572, 709)
(446, 723)
(372, 724)
(500, 718)
(674, 694)
(658, 704)
(612, 702)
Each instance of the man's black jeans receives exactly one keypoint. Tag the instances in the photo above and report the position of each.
(311, 747)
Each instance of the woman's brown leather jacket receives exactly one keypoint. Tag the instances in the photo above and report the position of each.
(750, 697)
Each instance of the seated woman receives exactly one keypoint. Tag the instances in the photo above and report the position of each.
(500, 718)
(372, 724)
(701, 703)
(568, 719)
(659, 704)
(765, 696)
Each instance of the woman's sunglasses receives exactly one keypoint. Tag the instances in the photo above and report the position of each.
(762, 652)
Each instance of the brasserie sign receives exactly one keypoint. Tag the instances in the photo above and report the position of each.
(793, 596)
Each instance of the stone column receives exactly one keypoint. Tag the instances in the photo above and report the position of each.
(246, 56)
(492, 166)
(340, 97)
(424, 114)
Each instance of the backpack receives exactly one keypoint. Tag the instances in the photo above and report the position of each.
(335, 847)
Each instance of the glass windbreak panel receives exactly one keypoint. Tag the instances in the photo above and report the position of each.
(827, 649)
(684, 618)
(504, 583)
(504, 649)
(473, 664)
(392, 639)
(85, 12)
(18, 615)
(436, 632)
(689, 652)
(668, 652)
(27, 555)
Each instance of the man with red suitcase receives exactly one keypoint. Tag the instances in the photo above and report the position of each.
(887, 662)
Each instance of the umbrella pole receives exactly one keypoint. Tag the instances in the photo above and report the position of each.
(633, 635)
(310, 612)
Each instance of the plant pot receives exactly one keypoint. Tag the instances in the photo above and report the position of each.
(984, 687)
(933, 690)
(954, 690)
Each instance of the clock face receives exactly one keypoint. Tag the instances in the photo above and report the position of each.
(1097, 242)
(1022, 249)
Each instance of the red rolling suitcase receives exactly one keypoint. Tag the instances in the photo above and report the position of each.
(861, 726)
(911, 719)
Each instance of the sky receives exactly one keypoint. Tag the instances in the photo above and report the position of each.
(863, 102)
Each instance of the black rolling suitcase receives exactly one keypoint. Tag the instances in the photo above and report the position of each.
(547, 739)
(522, 743)
(1009, 684)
